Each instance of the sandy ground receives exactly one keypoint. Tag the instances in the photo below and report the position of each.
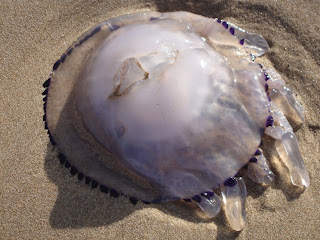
(39, 199)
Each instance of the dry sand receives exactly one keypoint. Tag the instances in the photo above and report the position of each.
(39, 199)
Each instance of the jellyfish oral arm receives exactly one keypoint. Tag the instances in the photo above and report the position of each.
(286, 141)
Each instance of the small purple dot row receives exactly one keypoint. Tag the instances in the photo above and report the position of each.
(231, 29)
(197, 198)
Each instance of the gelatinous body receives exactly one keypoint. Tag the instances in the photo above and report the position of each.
(165, 106)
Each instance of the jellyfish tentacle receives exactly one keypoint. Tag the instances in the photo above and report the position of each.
(234, 194)
(210, 204)
(259, 171)
(287, 147)
(283, 97)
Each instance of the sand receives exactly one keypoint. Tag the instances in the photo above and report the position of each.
(40, 200)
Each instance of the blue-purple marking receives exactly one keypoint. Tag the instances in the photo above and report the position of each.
(269, 121)
(63, 57)
(208, 194)
(253, 159)
(225, 24)
(80, 176)
(73, 171)
(133, 200)
(67, 164)
(231, 30)
(56, 65)
(258, 152)
(230, 182)
(196, 198)
(114, 193)
(45, 92)
(69, 51)
(104, 189)
(87, 180)
(94, 184)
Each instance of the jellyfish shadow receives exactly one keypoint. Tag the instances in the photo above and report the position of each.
(79, 205)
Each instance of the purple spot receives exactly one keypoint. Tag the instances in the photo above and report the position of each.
(197, 198)
(46, 83)
(230, 182)
(94, 184)
(231, 30)
(45, 107)
(114, 193)
(80, 176)
(104, 189)
(69, 51)
(241, 41)
(45, 92)
(153, 18)
(245, 167)
(67, 164)
(62, 158)
(258, 152)
(219, 21)
(253, 159)
(269, 121)
(208, 194)
(225, 24)
(87, 180)
(133, 200)
(73, 171)
(83, 40)
(63, 57)
(56, 65)
(97, 29)
(266, 87)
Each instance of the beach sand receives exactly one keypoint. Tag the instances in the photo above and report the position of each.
(40, 200)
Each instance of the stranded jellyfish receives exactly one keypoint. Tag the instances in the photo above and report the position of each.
(165, 106)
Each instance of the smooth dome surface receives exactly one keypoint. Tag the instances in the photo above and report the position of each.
(170, 107)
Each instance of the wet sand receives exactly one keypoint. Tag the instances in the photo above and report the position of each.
(38, 197)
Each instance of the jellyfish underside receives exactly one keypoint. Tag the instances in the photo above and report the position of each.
(165, 106)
